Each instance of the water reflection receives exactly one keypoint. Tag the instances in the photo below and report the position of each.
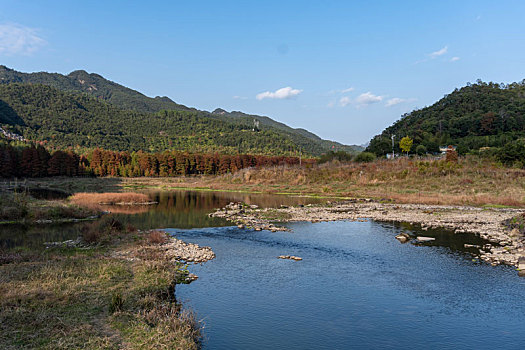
(181, 209)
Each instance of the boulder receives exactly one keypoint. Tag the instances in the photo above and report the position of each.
(403, 237)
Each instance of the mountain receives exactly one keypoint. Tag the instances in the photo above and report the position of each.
(93, 85)
(125, 98)
(62, 119)
(475, 116)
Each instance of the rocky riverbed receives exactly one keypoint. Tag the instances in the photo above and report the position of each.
(171, 249)
(506, 245)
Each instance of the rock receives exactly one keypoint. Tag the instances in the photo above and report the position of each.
(403, 237)
(521, 263)
(466, 245)
(241, 226)
(425, 239)
(290, 257)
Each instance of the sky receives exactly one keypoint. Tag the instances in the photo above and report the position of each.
(344, 70)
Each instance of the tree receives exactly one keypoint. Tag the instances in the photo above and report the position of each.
(406, 144)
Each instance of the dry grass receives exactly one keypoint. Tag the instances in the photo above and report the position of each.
(127, 198)
(470, 181)
(101, 231)
(466, 182)
(157, 237)
(22, 207)
(92, 299)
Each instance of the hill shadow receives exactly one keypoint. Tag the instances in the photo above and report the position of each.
(9, 116)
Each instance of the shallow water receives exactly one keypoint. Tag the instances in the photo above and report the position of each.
(357, 287)
(181, 209)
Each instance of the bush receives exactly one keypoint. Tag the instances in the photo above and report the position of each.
(451, 156)
(421, 150)
(341, 156)
(100, 231)
(157, 237)
(512, 153)
(365, 157)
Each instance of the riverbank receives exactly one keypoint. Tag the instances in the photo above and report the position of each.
(470, 181)
(20, 207)
(114, 292)
(507, 244)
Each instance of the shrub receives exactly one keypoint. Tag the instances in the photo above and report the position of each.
(100, 231)
(365, 157)
(512, 152)
(157, 237)
(421, 150)
(451, 156)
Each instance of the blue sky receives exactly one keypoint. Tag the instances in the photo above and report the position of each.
(344, 70)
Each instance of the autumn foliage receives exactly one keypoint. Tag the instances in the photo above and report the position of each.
(37, 161)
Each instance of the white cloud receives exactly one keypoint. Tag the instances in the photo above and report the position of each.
(283, 93)
(345, 101)
(396, 100)
(16, 39)
(368, 98)
(454, 59)
(331, 104)
(350, 89)
(237, 97)
(438, 53)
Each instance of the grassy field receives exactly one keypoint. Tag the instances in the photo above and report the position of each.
(470, 181)
(93, 297)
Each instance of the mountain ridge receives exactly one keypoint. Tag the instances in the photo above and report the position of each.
(95, 85)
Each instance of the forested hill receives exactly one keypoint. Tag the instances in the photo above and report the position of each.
(94, 85)
(42, 113)
(475, 116)
(303, 138)
(125, 98)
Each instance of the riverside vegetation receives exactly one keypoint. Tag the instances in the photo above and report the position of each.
(113, 288)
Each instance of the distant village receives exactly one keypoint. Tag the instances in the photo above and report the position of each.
(11, 136)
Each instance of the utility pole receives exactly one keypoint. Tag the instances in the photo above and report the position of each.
(393, 154)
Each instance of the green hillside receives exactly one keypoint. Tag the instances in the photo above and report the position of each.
(124, 98)
(43, 113)
(475, 116)
(306, 140)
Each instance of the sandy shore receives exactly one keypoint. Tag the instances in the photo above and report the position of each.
(506, 246)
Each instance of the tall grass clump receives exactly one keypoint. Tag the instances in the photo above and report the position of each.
(89, 199)
(101, 231)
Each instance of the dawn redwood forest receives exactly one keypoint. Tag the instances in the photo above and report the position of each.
(37, 161)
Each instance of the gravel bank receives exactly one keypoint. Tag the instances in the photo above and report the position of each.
(506, 245)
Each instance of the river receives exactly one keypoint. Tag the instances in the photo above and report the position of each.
(357, 287)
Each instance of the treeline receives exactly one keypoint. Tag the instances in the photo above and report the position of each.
(17, 160)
